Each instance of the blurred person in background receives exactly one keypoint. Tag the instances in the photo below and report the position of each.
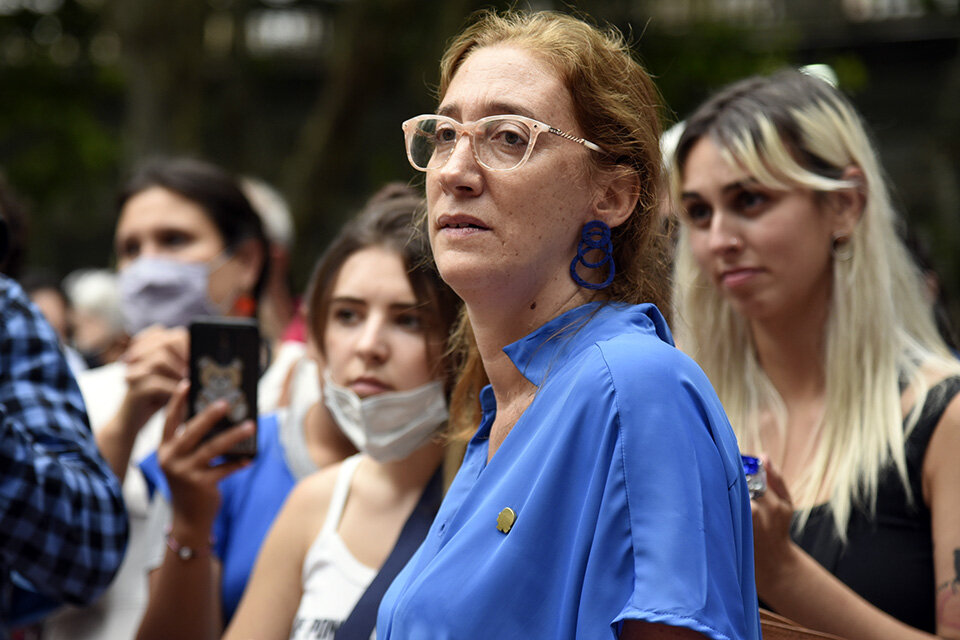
(278, 304)
(802, 304)
(63, 527)
(45, 291)
(98, 333)
(188, 244)
(379, 316)
(280, 315)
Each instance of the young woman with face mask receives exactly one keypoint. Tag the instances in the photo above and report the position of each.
(804, 307)
(187, 244)
(379, 317)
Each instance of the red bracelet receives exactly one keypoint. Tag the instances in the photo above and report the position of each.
(183, 551)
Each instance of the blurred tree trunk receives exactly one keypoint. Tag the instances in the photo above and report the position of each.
(162, 43)
(946, 221)
(383, 53)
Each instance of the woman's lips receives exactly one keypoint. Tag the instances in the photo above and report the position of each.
(460, 224)
(734, 278)
(364, 387)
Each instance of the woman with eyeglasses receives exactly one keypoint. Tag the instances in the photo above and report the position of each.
(602, 492)
(806, 310)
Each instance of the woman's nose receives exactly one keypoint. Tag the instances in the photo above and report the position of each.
(372, 344)
(461, 173)
(724, 234)
(149, 248)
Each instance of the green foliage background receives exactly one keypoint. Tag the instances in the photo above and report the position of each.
(90, 87)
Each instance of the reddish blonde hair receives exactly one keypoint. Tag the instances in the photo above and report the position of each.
(616, 106)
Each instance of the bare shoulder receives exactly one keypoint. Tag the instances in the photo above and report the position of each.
(940, 463)
(310, 498)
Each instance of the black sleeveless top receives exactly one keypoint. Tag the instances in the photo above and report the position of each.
(888, 557)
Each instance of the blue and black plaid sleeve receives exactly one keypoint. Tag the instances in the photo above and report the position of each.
(63, 527)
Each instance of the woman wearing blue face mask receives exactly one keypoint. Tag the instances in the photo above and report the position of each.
(188, 243)
(379, 316)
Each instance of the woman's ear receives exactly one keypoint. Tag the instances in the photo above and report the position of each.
(618, 197)
(849, 203)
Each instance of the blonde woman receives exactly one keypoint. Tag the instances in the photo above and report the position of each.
(800, 302)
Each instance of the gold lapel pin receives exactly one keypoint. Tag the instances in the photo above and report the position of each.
(506, 519)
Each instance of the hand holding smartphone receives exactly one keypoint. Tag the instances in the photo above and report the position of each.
(225, 365)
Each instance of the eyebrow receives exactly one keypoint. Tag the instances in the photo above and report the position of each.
(396, 306)
(492, 108)
(733, 186)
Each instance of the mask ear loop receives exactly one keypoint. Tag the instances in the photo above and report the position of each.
(244, 305)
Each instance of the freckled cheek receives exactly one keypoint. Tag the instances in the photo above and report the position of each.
(432, 188)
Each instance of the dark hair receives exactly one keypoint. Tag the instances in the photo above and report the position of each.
(13, 228)
(389, 219)
(731, 115)
(215, 191)
(38, 279)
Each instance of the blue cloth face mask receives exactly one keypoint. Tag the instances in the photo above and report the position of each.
(164, 291)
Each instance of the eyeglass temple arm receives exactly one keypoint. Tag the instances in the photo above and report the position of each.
(586, 143)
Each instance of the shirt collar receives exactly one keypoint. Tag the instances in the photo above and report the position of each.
(577, 329)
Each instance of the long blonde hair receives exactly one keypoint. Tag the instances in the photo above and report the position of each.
(792, 131)
(617, 106)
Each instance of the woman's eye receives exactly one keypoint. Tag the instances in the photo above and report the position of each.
(445, 134)
(509, 135)
(410, 321)
(345, 316)
(698, 213)
(174, 239)
(128, 250)
(748, 200)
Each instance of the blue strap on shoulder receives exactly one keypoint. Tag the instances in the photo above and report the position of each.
(362, 620)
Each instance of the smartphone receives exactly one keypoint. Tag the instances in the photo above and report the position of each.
(225, 364)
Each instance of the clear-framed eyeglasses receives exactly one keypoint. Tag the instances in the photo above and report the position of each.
(500, 143)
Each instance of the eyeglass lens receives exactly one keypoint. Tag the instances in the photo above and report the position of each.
(499, 144)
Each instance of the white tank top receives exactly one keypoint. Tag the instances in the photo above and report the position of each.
(333, 579)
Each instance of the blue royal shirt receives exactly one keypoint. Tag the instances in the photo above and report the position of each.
(251, 499)
(629, 495)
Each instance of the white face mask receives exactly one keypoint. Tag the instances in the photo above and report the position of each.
(389, 425)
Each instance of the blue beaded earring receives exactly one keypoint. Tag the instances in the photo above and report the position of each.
(595, 236)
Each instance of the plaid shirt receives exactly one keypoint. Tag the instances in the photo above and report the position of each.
(63, 526)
